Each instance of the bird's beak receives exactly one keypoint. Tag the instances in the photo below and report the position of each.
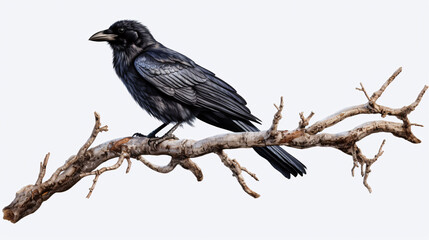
(104, 35)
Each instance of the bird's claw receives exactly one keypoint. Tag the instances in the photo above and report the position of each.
(139, 135)
(155, 141)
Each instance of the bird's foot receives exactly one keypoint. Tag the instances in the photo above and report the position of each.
(140, 135)
(155, 141)
(150, 135)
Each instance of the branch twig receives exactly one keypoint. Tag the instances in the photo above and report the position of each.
(97, 173)
(42, 171)
(236, 169)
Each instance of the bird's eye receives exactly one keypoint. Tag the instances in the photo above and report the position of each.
(121, 30)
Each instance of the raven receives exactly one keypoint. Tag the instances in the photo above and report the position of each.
(174, 89)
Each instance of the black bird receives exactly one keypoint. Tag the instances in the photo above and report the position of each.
(174, 89)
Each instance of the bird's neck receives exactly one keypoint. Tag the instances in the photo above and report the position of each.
(124, 59)
(127, 55)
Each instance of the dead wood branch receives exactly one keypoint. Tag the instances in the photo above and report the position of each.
(236, 172)
(87, 160)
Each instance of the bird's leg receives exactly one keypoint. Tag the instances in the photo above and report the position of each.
(154, 142)
(153, 133)
(170, 132)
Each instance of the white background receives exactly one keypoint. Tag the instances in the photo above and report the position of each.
(314, 53)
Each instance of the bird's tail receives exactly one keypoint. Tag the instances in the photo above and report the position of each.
(281, 160)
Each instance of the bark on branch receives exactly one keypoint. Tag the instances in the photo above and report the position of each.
(87, 160)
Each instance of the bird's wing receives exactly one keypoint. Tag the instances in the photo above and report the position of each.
(179, 77)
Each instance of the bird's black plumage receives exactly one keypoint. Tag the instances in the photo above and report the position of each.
(174, 89)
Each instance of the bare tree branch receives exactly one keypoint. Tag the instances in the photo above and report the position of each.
(97, 173)
(87, 160)
(236, 172)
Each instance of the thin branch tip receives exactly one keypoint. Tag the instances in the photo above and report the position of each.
(305, 121)
(236, 170)
(188, 164)
(362, 89)
(277, 117)
(399, 70)
(42, 171)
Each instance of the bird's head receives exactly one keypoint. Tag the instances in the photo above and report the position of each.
(125, 34)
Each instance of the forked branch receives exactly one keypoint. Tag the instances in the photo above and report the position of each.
(87, 160)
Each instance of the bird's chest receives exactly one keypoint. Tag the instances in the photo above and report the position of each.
(140, 89)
